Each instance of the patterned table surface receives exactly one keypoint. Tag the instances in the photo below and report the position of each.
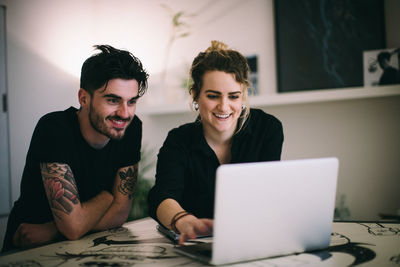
(138, 243)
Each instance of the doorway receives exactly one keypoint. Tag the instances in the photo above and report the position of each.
(5, 185)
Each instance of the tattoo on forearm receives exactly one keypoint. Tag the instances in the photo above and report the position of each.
(128, 179)
(60, 186)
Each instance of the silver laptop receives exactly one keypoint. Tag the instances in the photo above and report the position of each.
(268, 209)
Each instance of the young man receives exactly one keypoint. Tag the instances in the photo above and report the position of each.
(82, 165)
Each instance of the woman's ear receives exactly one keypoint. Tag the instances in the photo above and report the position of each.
(83, 97)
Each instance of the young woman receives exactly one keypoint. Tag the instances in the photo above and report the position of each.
(226, 131)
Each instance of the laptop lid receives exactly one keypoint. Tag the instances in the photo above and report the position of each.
(268, 209)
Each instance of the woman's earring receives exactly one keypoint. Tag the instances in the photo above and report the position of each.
(195, 105)
(243, 107)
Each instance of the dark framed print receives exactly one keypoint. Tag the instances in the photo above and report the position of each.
(320, 44)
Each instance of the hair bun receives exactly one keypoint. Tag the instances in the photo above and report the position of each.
(216, 46)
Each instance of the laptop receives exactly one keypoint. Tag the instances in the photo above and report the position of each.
(269, 209)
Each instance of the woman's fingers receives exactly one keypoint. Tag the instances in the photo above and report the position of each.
(204, 227)
(193, 228)
(186, 235)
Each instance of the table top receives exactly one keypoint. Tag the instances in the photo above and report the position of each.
(139, 243)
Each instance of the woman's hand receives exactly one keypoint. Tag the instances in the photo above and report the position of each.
(190, 227)
(172, 215)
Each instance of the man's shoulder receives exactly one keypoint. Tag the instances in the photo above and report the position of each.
(57, 118)
(60, 116)
(54, 137)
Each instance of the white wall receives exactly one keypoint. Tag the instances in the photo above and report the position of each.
(363, 134)
(49, 40)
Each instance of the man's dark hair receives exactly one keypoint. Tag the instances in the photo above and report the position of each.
(383, 56)
(112, 63)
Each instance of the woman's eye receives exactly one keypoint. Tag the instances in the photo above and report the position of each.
(212, 96)
(234, 97)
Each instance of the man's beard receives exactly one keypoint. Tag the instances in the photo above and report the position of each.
(99, 124)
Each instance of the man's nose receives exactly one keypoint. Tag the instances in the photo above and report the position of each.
(123, 111)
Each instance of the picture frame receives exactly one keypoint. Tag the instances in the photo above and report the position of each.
(382, 67)
(252, 61)
(320, 44)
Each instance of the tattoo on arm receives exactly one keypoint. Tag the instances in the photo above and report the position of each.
(128, 178)
(60, 186)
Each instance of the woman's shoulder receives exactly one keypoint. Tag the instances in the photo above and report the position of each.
(261, 123)
(182, 137)
(184, 131)
(258, 115)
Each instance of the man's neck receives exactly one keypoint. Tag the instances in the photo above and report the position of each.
(92, 137)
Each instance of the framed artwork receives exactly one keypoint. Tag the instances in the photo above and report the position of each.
(253, 65)
(320, 44)
(382, 67)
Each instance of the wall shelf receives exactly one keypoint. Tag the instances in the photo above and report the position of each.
(280, 99)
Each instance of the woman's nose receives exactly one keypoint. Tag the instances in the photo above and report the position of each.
(223, 104)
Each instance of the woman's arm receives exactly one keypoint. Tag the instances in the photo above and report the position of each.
(188, 225)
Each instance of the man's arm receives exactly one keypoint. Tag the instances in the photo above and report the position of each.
(32, 235)
(124, 187)
(72, 218)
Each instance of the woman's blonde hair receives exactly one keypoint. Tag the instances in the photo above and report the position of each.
(218, 57)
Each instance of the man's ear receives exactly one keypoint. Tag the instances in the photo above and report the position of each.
(83, 97)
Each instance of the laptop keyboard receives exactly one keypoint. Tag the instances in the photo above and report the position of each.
(205, 253)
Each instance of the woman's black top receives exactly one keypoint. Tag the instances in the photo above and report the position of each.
(186, 164)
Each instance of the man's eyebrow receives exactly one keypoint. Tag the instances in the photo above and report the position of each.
(135, 97)
(118, 97)
(112, 96)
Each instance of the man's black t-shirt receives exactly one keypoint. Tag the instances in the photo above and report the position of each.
(186, 164)
(57, 138)
(389, 76)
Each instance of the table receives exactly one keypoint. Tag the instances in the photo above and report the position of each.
(139, 243)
